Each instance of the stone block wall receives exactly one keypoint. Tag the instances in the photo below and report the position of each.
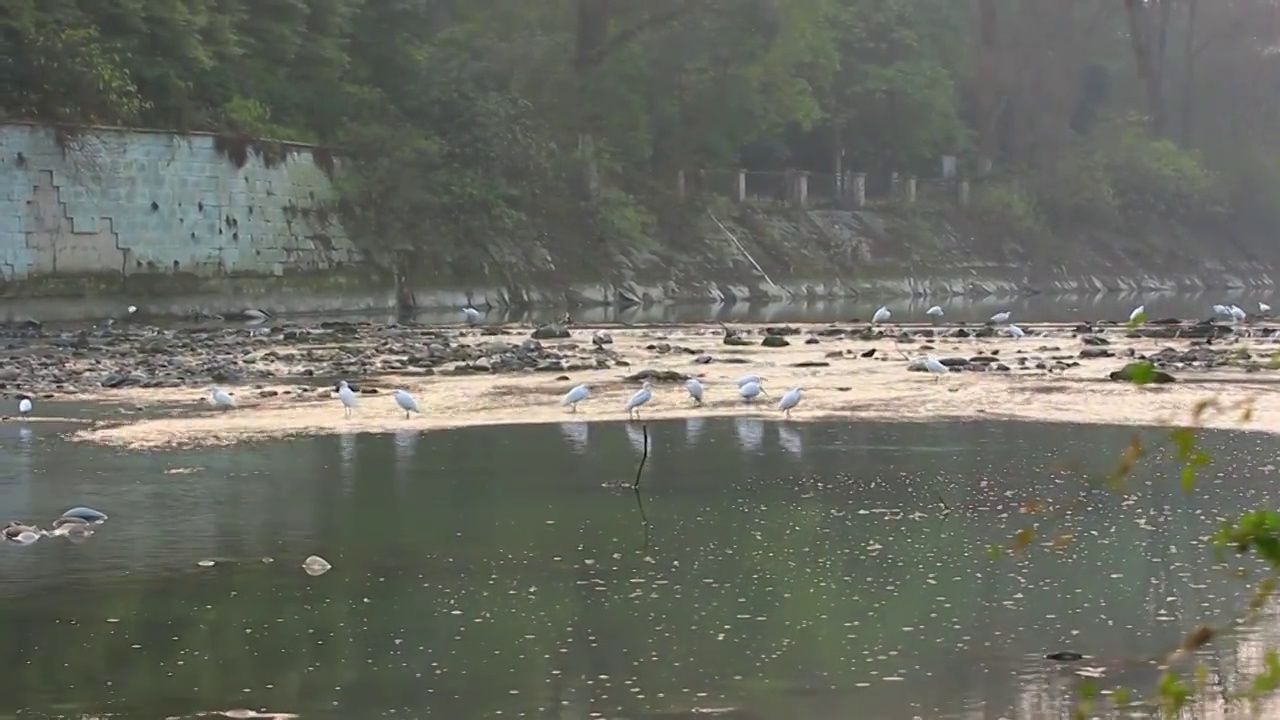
(121, 203)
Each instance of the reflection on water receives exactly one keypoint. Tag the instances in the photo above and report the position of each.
(792, 569)
(1034, 308)
(1025, 309)
(750, 433)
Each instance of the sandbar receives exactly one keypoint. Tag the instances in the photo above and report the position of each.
(1046, 380)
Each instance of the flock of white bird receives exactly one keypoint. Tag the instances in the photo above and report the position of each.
(750, 387)
(223, 399)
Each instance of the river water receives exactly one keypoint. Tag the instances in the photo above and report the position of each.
(1024, 309)
(788, 570)
(1030, 309)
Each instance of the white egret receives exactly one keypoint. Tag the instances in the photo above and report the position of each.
(695, 389)
(473, 315)
(24, 407)
(1015, 332)
(750, 391)
(133, 309)
(1001, 317)
(1263, 307)
(1221, 310)
(348, 397)
(406, 403)
(221, 399)
(1237, 314)
(574, 396)
(935, 311)
(1138, 312)
(935, 366)
(790, 400)
(882, 315)
(749, 379)
(640, 398)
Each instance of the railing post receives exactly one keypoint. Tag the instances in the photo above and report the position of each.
(948, 167)
(911, 190)
(802, 188)
(859, 190)
(963, 194)
(742, 186)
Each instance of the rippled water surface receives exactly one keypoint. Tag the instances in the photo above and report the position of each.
(790, 571)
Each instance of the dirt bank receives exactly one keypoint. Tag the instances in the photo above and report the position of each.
(846, 372)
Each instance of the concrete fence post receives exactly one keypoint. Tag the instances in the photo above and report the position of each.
(911, 190)
(742, 186)
(859, 190)
(963, 194)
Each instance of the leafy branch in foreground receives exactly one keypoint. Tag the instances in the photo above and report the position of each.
(1256, 532)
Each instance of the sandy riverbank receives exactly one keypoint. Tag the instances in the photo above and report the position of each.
(1045, 380)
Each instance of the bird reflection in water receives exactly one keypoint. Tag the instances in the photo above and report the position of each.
(790, 439)
(347, 454)
(636, 435)
(750, 433)
(576, 435)
(693, 429)
(406, 446)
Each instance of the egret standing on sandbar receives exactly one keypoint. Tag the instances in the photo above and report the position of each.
(574, 396)
(1001, 317)
(1237, 314)
(742, 381)
(221, 399)
(695, 390)
(1139, 314)
(406, 403)
(1264, 308)
(473, 315)
(24, 407)
(935, 311)
(640, 398)
(790, 400)
(348, 397)
(750, 391)
(935, 366)
(881, 315)
(1014, 331)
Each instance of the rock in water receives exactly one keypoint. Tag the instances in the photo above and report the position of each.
(86, 514)
(315, 565)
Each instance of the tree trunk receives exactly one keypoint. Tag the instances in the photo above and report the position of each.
(987, 93)
(590, 41)
(1188, 75)
(1147, 41)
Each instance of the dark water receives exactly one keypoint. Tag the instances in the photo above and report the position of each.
(791, 571)
(1032, 309)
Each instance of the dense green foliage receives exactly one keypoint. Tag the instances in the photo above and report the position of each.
(521, 120)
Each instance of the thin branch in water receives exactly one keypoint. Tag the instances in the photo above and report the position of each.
(643, 456)
(644, 521)
(644, 518)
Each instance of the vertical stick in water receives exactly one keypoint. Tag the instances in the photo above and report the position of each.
(644, 455)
